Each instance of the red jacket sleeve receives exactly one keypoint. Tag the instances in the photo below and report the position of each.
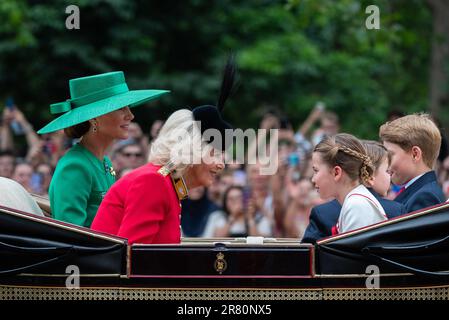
(146, 205)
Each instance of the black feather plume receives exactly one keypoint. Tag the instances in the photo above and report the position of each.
(227, 83)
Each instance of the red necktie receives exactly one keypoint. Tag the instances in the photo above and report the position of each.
(400, 191)
(334, 230)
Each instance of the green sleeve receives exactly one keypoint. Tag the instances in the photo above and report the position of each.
(70, 191)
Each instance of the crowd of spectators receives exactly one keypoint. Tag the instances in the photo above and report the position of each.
(241, 202)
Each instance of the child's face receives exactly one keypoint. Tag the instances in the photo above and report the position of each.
(382, 179)
(401, 166)
(322, 178)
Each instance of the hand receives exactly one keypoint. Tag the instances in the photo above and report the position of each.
(36, 150)
(251, 222)
(19, 116)
(317, 112)
(285, 134)
(270, 122)
(251, 208)
(259, 201)
(8, 116)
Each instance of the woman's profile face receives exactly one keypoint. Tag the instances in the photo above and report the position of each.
(204, 174)
(115, 124)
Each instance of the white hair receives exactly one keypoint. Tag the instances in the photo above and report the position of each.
(179, 143)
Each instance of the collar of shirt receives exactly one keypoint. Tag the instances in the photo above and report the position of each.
(408, 184)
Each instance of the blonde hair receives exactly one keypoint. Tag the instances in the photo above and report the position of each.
(179, 143)
(414, 130)
(377, 152)
(346, 151)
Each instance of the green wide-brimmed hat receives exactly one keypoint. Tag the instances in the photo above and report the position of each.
(95, 96)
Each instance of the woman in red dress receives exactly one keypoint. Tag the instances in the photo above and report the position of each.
(144, 206)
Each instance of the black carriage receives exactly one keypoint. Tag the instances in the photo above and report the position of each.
(403, 258)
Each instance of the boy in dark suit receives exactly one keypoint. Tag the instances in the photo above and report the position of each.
(325, 216)
(414, 142)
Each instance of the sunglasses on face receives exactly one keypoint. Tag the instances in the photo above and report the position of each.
(132, 154)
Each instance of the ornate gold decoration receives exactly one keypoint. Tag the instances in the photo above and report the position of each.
(49, 293)
(180, 188)
(220, 264)
(164, 171)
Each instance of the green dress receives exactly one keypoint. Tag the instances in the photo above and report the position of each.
(78, 186)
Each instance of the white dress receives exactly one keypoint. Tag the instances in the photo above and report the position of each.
(360, 209)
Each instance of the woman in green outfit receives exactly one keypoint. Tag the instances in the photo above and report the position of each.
(98, 112)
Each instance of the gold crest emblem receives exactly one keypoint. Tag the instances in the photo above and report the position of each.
(220, 264)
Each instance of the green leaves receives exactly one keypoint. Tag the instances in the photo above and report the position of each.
(290, 54)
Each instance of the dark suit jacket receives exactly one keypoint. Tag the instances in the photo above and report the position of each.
(422, 193)
(324, 216)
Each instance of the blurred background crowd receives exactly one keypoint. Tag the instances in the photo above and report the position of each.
(241, 202)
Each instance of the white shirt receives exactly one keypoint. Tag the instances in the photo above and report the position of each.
(14, 196)
(408, 184)
(219, 219)
(360, 209)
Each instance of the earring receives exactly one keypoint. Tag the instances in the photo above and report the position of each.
(94, 128)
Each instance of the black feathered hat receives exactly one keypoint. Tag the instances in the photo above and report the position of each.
(210, 116)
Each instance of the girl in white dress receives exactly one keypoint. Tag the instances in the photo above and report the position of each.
(340, 168)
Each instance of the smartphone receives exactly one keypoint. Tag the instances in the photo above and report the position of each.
(15, 126)
(320, 105)
(10, 103)
(293, 159)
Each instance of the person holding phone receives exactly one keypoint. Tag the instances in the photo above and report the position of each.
(98, 112)
(6, 141)
(237, 220)
(14, 121)
(15, 125)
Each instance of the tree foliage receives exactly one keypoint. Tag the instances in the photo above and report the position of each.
(290, 55)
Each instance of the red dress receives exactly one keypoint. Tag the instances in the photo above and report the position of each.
(143, 207)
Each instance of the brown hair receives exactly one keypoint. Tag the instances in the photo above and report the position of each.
(377, 152)
(77, 131)
(346, 151)
(414, 130)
